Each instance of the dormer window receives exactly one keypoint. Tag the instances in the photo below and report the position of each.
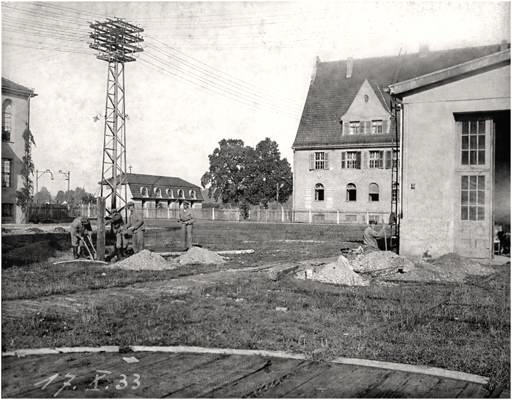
(169, 193)
(181, 194)
(157, 192)
(144, 191)
(192, 194)
(355, 128)
(377, 127)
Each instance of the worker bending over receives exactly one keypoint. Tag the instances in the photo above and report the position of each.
(79, 228)
(370, 235)
(135, 228)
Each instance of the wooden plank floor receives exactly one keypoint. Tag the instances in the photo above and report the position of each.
(189, 375)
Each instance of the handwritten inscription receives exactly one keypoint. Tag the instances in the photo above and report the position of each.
(121, 382)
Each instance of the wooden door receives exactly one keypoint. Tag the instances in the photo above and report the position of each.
(474, 218)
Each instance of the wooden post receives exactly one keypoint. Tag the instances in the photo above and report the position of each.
(100, 233)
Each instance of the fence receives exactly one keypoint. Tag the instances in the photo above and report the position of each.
(51, 213)
(258, 215)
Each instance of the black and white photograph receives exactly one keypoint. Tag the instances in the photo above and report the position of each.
(255, 199)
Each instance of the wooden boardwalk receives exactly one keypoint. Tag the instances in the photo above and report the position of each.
(186, 375)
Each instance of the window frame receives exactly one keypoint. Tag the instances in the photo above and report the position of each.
(375, 125)
(319, 192)
(7, 105)
(373, 192)
(8, 173)
(351, 187)
(472, 200)
(8, 206)
(470, 143)
(376, 163)
(354, 127)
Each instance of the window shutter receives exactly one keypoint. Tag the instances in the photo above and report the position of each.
(385, 126)
(364, 165)
(346, 128)
(312, 161)
(343, 159)
(326, 162)
(368, 129)
(358, 158)
(387, 159)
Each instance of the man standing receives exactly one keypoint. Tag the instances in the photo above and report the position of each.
(370, 235)
(187, 219)
(135, 227)
(79, 228)
(116, 224)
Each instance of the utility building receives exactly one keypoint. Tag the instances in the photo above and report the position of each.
(15, 120)
(347, 135)
(456, 157)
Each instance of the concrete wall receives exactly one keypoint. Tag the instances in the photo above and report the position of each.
(430, 157)
(335, 182)
(14, 151)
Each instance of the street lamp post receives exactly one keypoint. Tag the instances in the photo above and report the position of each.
(40, 174)
(67, 176)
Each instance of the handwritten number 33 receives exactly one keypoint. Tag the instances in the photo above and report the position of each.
(123, 383)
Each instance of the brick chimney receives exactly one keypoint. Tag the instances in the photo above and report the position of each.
(350, 66)
(315, 68)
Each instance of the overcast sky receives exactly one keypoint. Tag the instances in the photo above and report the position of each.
(208, 71)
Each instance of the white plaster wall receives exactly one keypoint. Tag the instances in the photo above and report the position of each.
(430, 157)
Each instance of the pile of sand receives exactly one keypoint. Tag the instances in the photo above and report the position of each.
(379, 263)
(145, 260)
(447, 268)
(339, 273)
(198, 255)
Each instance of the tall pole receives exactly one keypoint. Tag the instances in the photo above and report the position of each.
(117, 42)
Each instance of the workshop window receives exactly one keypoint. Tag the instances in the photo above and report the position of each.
(373, 192)
(351, 192)
(473, 142)
(472, 198)
(319, 192)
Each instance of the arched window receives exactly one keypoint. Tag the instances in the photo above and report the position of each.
(373, 192)
(192, 194)
(319, 192)
(181, 194)
(6, 120)
(144, 191)
(351, 192)
(169, 193)
(157, 192)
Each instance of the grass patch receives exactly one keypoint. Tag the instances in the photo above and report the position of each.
(458, 326)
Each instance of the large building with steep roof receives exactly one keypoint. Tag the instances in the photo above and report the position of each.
(347, 135)
(15, 120)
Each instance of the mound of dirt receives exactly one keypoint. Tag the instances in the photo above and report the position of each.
(198, 255)
(378, 263)
(452, 261)
(145, 260)
(339, 273)
(448, 268)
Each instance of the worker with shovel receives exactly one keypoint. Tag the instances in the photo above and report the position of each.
(80, 231)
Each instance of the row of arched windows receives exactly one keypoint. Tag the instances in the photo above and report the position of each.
(157, 192)
(351, 192)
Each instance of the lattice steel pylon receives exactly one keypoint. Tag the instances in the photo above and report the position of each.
(116, 41)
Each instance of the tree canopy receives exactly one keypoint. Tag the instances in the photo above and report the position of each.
(244, 175)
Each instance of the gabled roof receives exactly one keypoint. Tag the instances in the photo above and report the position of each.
(137, 181)
(10, 87)
(449, 74)
(331, 93)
